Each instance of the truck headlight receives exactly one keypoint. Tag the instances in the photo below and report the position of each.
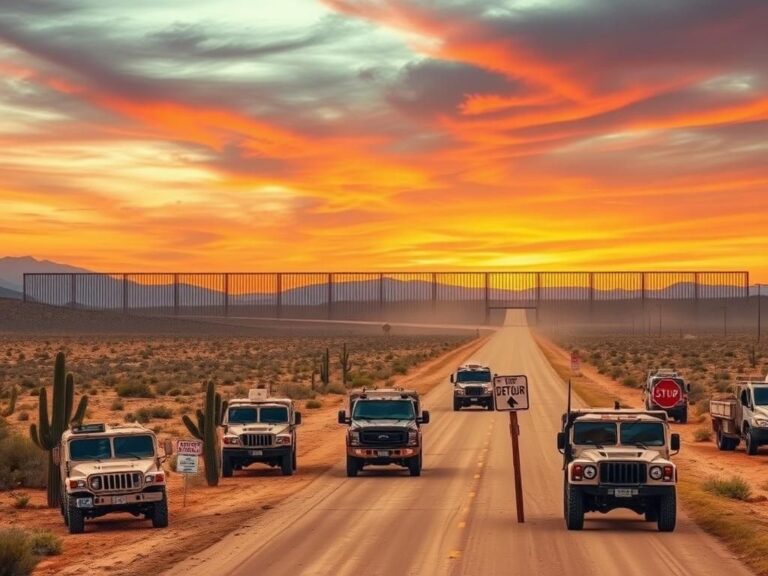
(158, 478)
(761, 422)
(283, 440)
(458, 391)
(354, 438)
(590, 472)
(75, 484)
(96, 483)
(656, 472)
(231, 440)
(413, 438)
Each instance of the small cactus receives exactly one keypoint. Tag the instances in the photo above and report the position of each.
(345, 364)
(47, 434)
(325, 368)
(205, 429)
(11, 401)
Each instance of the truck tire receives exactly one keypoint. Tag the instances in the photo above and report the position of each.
(574, 509)
(683, 419)
(751, 445)
(160, 513)
(294, 459)
(667, 513)
(286, 465)
(64, 506)
(226, 467)
(652, 512)
(414, 466)
(353, 466)
(75, 520)
(489, 405)
(456, 405)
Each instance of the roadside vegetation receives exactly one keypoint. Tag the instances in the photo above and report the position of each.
(21, 550)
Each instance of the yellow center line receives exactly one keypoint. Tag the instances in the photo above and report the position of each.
(455, 554)
(462, 524)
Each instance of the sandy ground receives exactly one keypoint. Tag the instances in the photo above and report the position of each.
(697, 460)
(120, 544)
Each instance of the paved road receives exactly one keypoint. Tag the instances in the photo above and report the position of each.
(458, 518)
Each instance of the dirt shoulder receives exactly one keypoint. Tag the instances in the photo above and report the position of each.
(120, 544)
(743, 526)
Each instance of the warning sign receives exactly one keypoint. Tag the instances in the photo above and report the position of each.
(189, 447)
(510, 393)
(186, 464)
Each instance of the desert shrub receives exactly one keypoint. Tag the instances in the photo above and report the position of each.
(20, 500)
(23, 416)
(698, 391)
(134, 390)
(130, 417)
(335, 388)
(735, 487)
(117, 405)
(44, 543)
(630, 382)
(314, 404)
(616, 373)
(174, 392)
(295, 391)
(16, 555)
(161, 411)
(702, 434)
(142, 415)
(702, 406)
(22, 464)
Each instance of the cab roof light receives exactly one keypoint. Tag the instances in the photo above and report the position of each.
(89, 428)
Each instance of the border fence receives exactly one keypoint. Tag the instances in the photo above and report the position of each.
(679, 299)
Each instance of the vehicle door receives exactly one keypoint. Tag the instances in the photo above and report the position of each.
(746, 406)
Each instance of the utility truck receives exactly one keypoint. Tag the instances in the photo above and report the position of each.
(472, 386)
(384, 428)
(618, 459)
(744, 416)
(666, 390)
(109, 468)
(260, 428)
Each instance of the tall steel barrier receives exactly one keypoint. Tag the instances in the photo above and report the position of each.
(468, 297)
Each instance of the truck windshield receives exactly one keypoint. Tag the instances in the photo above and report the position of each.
(134, 447)
(383, 410)
(90, 449)
(596, 433)
(242, 415)
(645, 433)
(761, 396)
(273, 415)
(473, 376)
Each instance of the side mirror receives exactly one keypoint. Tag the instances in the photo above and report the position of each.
(297, 418)
(56, 455)
(674, 443)
(452, 379)
(342, 416)
(561, 441)
(688, 388)
(425, 417)
(168, 446)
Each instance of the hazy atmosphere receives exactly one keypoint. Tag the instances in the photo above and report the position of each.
(306, 135)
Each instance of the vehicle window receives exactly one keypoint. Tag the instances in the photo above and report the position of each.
(602, 433)
(273, 415)
(646, 433)
(474, 376)
(90, 449)
(383, 410)
(242, 415)
(761, 396)
(134, 446)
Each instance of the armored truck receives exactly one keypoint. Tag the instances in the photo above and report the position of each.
(666, 390)
(384, 428)
(106, 468)
(742, 417)
(472, 386)
(260, 428)
(618, 459)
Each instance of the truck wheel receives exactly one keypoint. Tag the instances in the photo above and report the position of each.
(667, 513)
(414, 466)
(652, 512)
(294, 459)
(456, 405)
(751, 444)
(489, 406)
(226, 467)
(683, 416)
(160, 513)
(76, 520)
(64, 507)
(574, 509)
(286, 465)
(353, 467)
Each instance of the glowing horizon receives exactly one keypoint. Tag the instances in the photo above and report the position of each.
(364, 135)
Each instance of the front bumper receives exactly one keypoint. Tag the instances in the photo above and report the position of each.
(255, 454)
(609, 491)
(82, 500)
(383, 454)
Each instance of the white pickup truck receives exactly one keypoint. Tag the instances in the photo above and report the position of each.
(743, 417)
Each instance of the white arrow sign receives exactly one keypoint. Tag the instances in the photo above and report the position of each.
(510, 393)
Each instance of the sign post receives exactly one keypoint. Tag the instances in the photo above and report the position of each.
(187, 452)
(510, 394)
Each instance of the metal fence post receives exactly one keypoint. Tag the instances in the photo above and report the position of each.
(487, 283)
(73, 291)
(226, 294)
(330, 296)
(176, 294)
(381, 292)
(24, 287)
(279, 301)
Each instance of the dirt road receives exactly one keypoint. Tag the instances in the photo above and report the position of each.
(459, 516)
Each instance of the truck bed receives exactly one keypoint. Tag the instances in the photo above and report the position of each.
(723, 409)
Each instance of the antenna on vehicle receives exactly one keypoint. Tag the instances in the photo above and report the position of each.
(569, 398)
(616, 405)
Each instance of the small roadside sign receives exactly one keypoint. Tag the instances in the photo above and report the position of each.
(575, 363)
(186, 464)
(189, 447)
(510, 393)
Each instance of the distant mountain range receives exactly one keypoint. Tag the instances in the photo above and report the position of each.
(106, 291)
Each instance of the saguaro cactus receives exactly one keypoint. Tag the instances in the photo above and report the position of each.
(47, 434)
(345, 364)
(325, 368)
(11, 401)
(208, 420)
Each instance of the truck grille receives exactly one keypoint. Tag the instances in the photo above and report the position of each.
(256, 440)
(117, 482)
(474, 390)
(383, 437)
(622, 473)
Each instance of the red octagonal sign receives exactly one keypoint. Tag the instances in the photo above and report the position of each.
(666, 393)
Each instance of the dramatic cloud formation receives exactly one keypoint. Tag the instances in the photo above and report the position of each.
(372, 134)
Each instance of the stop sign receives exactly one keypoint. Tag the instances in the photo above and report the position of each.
(666, 393)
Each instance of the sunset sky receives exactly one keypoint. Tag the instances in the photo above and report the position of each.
(365, 135)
